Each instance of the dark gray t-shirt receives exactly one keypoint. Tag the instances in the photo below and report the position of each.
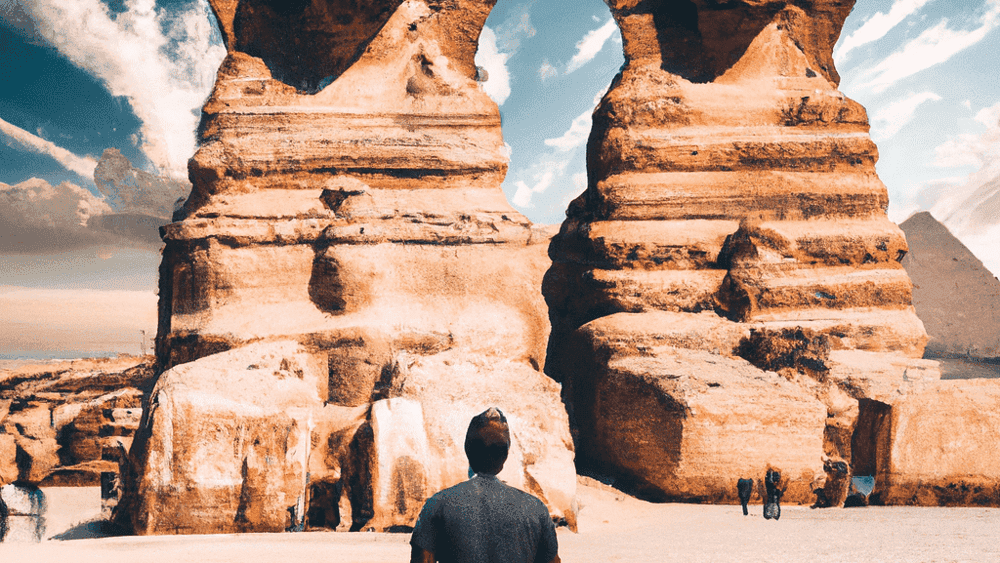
(484, 520)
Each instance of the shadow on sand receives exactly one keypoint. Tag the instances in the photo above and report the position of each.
(92, 529)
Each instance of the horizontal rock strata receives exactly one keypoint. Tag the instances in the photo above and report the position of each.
(346, 200)
(732, 198)
(686, 424)
(65, 424)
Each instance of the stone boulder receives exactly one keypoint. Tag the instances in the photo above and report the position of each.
(686, 425)
(22, 513)
(224, 446)
(243, 440)
(8, 459)
(935, 445)
(61, 417)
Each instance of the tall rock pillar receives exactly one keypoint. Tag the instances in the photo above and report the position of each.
(346, 285)
(732, 208)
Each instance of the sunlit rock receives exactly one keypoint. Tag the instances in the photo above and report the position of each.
(729, 179)
(346, 198)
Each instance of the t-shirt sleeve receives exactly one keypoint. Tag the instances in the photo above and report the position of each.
(548, 546)
(423, 532)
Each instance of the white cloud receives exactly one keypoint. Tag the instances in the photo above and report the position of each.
(968, 207)
(983, 245)
(39, 218)
(80, 165)
(958, 151)
(549, 171)
(511, 31)
(163, 61)
(877, 26)
(546, 70)
(889, 119)
(495, 63)
(970, 149)
(576, 135)
(934, 46)
(591, 44)
(989, 116)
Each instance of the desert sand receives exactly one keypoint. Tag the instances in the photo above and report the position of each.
(613, 527)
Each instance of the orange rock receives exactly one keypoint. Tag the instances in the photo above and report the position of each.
(346, 198)
(935, 446)
(730, 183)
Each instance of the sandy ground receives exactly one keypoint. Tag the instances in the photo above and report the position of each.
(613, 527)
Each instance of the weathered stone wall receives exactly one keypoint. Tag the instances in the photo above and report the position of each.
(732, 206)
(347, 210)
(65, 424)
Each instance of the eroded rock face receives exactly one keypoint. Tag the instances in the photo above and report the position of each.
(935, 446)
(346, 198)
(63, 424)
(730, 182)
(225, 445)
(685, 424)
(728, 173)
(372, 202)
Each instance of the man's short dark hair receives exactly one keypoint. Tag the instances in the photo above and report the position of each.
(487, 441)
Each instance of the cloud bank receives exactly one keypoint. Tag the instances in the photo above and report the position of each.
(546, 173)
(971, 208)
(37, 217)
(576, 135)
(546, 70)
(81, 165)
(550, 167)
(162, 60)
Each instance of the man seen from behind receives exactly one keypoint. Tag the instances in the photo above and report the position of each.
(483, 520)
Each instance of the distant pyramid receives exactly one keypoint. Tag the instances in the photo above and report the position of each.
(956, 297)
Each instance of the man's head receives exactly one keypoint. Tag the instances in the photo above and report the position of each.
(487, 441)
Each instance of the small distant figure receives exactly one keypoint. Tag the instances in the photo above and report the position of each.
(744, 488)
(483, 519)
(772, 504)
(835, 490)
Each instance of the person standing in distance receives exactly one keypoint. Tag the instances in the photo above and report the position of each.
(483, 520)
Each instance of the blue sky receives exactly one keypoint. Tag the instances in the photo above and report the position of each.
(81, 76)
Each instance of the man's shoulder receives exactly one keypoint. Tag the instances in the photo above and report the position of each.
(476, 484)
(524, 497)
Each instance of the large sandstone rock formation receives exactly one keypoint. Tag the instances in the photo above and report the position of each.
(346, 261)
(65, 424)
(732, 185)
(956, 297)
